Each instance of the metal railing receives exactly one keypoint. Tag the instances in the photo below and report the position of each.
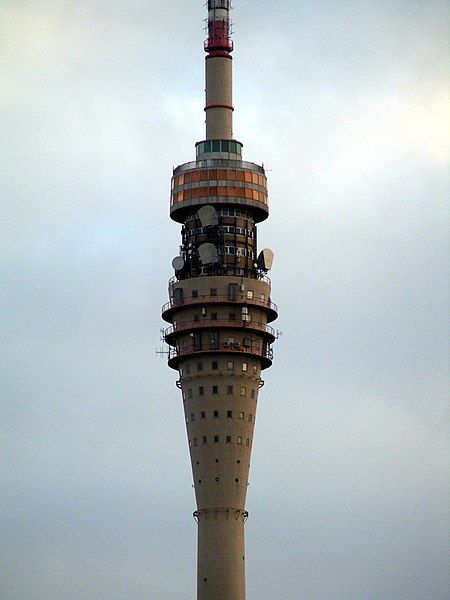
(258, 277)
(212, 323)
(218, 162)
(206, 299)
(266, 353)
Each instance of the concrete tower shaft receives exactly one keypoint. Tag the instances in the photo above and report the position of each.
(219, 314)
(219, 75)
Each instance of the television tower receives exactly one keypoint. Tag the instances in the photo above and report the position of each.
(219, 313)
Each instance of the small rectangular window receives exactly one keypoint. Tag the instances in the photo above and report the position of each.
(196, 317)
(203, 415)
(216, 439)
(201, 391)
(192, 416)
(195, 441)
(205, 439)
(230, 365)
(213, 316)
(247, 443)
(241, 415)
(243, 391)
(200, 366)
(214, 365)
(244, 366)
(252, 394)
(229, 414)
(250, 294)
(195, 293)
(239, 440)
(213, 292)
(250, 418)
(216, 414)
(228, 439)
(232, 316)
(229, 390)
(255, 369)
(215, 389)
(189, 393)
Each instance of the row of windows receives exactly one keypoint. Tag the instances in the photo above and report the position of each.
(186, 369)
(238, 251)
(216, 440)
(219, 145)
(216, 415)
(221, 191)
(213, 291)
(226, 212)
(215, 390)
(219, 175)
(225, 229)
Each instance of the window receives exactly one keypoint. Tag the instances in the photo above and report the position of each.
(250, 294)
(189, 393)
(229, 414)
(205, 439)
(214, 365)
(213, 316)
(216, 414)
(230, 365)
(197, 341)
(228, 440)
(232, 291)
(192, 416)
(195, 441)
(243, 391)
(229, 390)
(195, 293)
(244, 366)
(215, 389)
(196, 318)
(216, 439)
(213, 292)
(203, 415)
(201, 391)
(200, 366)
(252, 394)
(255, 369)
(239, 440)
(250, 418)
(214, 339)
(241, 415)
(232, 316)
(247, 443)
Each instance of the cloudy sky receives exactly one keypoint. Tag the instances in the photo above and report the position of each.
(347, 103)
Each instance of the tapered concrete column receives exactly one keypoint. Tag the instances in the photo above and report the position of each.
(221, 557)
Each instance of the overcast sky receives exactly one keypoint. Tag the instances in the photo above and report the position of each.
(347, 103)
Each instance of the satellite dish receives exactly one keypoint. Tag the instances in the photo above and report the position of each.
(178, 263)
(208, 254)
(265, 259)
(208, 216)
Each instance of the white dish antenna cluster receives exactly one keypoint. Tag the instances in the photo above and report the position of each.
(208, 216)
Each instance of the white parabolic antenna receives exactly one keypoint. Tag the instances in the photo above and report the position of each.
(208, 216)
(265, 259)
(178, 263)
(208, 254)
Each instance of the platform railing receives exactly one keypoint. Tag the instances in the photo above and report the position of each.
(207, 299)
(212, 323)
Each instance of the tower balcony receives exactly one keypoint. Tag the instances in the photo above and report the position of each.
(269, 333)
(265, 354)
(170, 308)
